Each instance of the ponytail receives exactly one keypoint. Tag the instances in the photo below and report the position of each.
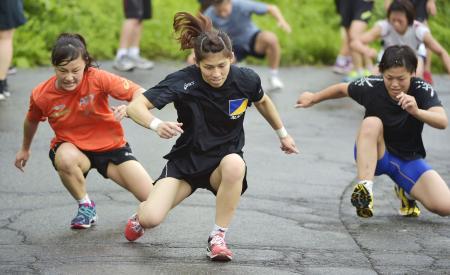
(197, 32)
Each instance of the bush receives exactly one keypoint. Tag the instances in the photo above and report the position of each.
(315, 38)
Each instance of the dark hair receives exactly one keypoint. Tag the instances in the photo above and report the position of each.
(68, 47)
(398, 56)
(404, 6)
(218, 2)
(198, 33)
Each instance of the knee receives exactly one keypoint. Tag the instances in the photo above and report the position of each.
(149, 219)
(272, 39)
(233, 168)
(65, 162)
(440, 208)
(371, 127)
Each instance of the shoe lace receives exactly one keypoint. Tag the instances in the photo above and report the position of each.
(135, 225)
(217, 240)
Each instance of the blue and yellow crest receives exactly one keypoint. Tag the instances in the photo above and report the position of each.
(236, 107)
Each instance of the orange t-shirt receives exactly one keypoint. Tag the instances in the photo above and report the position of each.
(83, 116)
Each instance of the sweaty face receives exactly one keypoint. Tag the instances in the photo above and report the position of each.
(215, 68)
(69, 75)
(223, 10)
(399, 21)
(397, 80)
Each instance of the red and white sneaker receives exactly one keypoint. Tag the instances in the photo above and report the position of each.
(217, 249)
(133, 230)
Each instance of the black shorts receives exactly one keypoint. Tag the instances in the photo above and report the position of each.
(241, 52)
(355, 10)
(11, 14)
(100, 160)
(197, 181)
(421, 10)
(137, 9)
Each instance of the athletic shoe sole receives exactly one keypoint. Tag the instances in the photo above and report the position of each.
(84, 226)
(361, 199)
(221, 257)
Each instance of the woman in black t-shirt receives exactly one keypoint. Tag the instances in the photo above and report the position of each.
(390, 138)
(211, 98)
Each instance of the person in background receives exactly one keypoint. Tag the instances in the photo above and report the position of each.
(11, 17)
(128, 55)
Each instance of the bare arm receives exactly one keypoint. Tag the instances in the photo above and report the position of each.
(435, 47)
(434, 116)
(276, 13)
(267, 109)
(22, 156)
(121, 111)
(138, 111)
(308, 99)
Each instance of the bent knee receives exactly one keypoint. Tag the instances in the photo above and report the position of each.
(233, 167)
(371, 126)
(440, 208)
(150, 220)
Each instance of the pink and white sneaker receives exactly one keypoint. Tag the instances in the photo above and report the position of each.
(133, 230)
(217, 249)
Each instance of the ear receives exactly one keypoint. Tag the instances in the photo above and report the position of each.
(233, 58)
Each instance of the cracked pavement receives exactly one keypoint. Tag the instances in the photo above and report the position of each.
(295, 217)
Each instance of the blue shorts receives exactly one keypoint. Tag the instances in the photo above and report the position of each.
(405, 173)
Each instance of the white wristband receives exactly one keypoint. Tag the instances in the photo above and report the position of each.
(282, 133)
(155, 123)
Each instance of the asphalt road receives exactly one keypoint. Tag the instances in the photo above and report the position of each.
(296, 216)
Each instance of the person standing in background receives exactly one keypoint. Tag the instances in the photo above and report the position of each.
(11, 17)
(128, 55)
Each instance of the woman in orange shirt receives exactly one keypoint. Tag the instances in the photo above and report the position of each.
(88, 133)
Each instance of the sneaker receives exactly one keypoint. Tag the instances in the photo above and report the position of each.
(427, 77)
(217, 249)
(124, 64)
(408, 207)
(86, 216)
(362, 199)
(275, 83)
(2, 90)
(12, 70)
(133, 230)
(142, 63)
(6, 88)
(342, 67)
(352, 76)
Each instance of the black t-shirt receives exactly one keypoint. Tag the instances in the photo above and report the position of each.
(402, 131)
(212, 117)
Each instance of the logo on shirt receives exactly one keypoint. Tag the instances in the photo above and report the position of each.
(86, 100)
(126, 84)
(187, 85)
(59, 110)
(426, 86)
(237, 107)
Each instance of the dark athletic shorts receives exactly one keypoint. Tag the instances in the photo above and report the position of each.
(421, 9)
(11, 14)
(100, 160)
(197, 181)
(355, 10)
(241, 52)
(137, 9)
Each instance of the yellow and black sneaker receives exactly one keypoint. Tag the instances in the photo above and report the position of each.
(362, 199)
(408, 207)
